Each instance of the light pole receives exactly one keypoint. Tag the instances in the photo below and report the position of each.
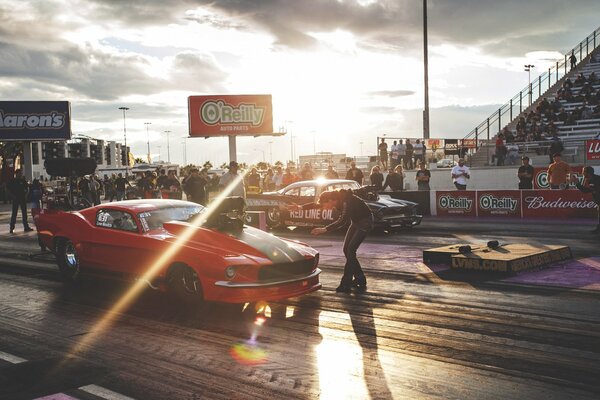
(271, 152)
(426, 74)
(168, 148)
(159, 155)
(291, 141)
(263, 153)
(184, 143)
(148, 139)
(125, 137)
(528, 69)
(361, 143)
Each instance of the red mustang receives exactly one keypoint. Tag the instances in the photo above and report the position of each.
(222, 260)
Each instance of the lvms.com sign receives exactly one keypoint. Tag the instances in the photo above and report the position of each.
(35, 120)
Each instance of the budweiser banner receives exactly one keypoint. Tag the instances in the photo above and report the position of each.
(592, 149)
(558, 204)
(227, 115)
(456, 203)
(550, 204)
(506, 203)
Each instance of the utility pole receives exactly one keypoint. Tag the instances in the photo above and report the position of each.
(168, 148)
(125, 137)
(148, 139)
(184, 143)
(426, 74)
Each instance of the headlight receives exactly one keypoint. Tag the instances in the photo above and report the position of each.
(230, 272)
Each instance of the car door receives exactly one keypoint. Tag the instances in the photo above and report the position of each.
(116, 243)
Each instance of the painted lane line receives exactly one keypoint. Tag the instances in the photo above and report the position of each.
(10, 358)
(104, 393)
(57, 396)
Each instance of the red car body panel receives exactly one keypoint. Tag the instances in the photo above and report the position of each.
(267, 267)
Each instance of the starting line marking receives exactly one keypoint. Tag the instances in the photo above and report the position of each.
(95, 390)
(10, 358)
(104, 393)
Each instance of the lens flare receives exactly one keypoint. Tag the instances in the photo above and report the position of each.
(136, 288)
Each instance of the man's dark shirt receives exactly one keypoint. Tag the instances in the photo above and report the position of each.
(593, 187)
(161, 181)
(120, 184)
(423, 185)
(377, 180)
(17, 187)
(525, 183)
(195, 187)
(395, 181)
(355, 174)
(353, 209)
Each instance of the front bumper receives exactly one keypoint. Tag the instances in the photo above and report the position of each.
(246, 292)
(398, 221)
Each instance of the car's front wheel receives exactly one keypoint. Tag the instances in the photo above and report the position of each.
(184, 284)
(273, 217)
(68, 260)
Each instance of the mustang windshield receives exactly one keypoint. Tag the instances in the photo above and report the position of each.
(156, 218)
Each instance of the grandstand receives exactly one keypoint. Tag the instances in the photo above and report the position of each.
(561, 103)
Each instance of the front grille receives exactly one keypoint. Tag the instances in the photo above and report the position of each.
(286, 270)
(395, 211)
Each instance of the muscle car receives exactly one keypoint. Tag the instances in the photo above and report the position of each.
(219, 260)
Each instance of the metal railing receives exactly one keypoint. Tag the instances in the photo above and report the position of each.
(533, 91)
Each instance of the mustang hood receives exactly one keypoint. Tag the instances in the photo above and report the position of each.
(249, 241)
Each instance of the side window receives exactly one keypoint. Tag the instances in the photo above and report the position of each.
(115, 219)
(333, 187)
(293, 192)
(307, 191)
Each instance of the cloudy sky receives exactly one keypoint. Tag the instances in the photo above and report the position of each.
(340, 72)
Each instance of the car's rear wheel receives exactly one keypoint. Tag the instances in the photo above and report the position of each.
(184, 284)
(68, 260)
(273, 217)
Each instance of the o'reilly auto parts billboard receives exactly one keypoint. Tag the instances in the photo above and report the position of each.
(226, 115)
(35, 120)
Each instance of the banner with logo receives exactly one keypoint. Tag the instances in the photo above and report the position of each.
(456, 203)
(540, 176)
(592, 149)
(506, 203)
(469, 143)
(35, 120)
(225, 115)
(558, 204)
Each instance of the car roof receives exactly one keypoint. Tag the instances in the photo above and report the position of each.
(320, 182)
(145, 204)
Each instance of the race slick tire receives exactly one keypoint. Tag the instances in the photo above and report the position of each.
(184, 284)
(67, 260)
(273, 217)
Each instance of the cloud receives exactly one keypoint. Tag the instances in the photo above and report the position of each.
(392, 93)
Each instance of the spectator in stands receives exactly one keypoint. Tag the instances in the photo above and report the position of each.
(331, 173)
(394, 155)
(557, 173)
(593, 79)
(460, 173)
(253, 180)
(395, 180)
(288, 178)
(410, 151)
(307, 172)
(401, 153)
(195, 187)
(512, 153)
(500, 150)
(231, 178)
(423, 176)
(278, 178)
(355, 173)
(383, 153)
(556, 147)
(525, 174)
(267, 182)
(591, 184)
(376, 178)
(419, 152)
(573, 59)
(580, 80)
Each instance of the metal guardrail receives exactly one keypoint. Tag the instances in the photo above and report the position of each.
(532, 92)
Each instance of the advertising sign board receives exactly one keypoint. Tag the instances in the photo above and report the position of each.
(35, 120)
(229, 115)
(469, 143)
(592, 149)
(456, 203)
(558, 204)
(491, 203)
